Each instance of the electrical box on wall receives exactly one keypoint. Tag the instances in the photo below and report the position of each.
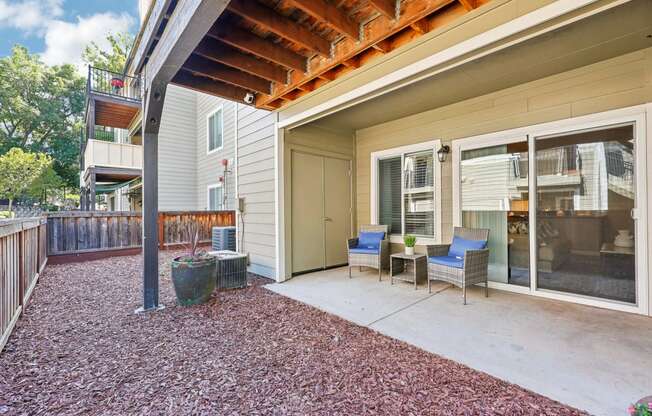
(241, 204)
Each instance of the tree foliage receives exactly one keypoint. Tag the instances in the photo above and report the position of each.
(19, 171)
(41, 108)
(113, 59)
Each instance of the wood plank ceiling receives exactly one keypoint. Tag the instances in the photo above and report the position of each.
(280, 50)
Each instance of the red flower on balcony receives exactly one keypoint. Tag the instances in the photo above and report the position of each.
(117, 83)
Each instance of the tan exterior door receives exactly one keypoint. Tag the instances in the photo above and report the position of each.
(337, 210)
(321, 211)
(307, 212)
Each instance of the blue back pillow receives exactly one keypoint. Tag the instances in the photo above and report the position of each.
(460, 245)
(370, 239)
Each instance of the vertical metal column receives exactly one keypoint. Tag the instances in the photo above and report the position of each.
(150, 221)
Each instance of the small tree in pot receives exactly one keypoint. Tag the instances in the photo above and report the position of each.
(194, 273)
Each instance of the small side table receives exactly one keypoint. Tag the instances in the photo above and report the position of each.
(408, 268)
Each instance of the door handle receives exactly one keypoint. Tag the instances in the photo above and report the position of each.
(328, 219)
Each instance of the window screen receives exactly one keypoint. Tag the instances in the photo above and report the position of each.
(215, 131)
(389, 195)
(419, 193)
(215, 198)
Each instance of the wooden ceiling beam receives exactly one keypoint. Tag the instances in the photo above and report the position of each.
(384, 46)
(421, 26)
(469, 4)
(281, 25)
(327, 13)
(378, 30)
(249, 42)
(209, 86)
(219, 52)
(386, 7)
(202, 66)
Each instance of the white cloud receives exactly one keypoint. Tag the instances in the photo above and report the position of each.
(65, 41)
(29, 15)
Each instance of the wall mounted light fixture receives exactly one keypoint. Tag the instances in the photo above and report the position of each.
(442, 152)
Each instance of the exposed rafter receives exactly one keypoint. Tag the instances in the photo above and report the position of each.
(330, 15)
(376, 34)
(282, 50)
(246, 41)
(386, 7)
(220, 52)
(202, 66)
(469, 4)
(209, 86)
(280, 25)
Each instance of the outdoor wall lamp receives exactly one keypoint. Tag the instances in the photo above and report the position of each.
(442, 152)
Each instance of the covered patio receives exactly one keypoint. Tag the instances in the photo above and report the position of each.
(589, 358)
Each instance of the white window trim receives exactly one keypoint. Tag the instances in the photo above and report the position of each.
(434, 145)
(220, 109)
(642, 116)
(208, 195)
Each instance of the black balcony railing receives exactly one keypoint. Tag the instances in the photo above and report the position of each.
(101, 81)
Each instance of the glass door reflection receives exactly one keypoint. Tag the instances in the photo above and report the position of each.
(494, 195)
(585, 195)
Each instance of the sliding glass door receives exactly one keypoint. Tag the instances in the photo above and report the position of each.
(565, 205)
(494, 195)
(585, 194)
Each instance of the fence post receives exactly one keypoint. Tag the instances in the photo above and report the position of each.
(21, 266)
(161, 229)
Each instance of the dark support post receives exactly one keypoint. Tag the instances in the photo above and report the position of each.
(150, 223)
(186, 29)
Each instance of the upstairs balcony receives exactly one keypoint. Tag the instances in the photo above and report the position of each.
(112, 99)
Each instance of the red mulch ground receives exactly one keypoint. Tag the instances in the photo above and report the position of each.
(80, 349)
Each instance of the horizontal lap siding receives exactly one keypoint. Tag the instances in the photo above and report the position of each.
(256, 186)
(209, 166)
(619, 82)
(177, 154)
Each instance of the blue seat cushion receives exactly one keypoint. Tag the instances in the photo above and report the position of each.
(460, 245)
(450, 261)
(371, 240)
(363, 250)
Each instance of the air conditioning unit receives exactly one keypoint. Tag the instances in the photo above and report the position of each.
(223, 238)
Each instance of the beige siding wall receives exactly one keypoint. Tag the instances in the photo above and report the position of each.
(209, 166)
(615, 83)
(256, 186)
(177, 156)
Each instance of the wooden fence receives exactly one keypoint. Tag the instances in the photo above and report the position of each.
(23, 256)
(108, 232)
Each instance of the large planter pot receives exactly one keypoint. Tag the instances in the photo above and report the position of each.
(409, 251)
(194, 282)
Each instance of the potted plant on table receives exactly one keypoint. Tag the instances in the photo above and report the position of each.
(194, 273)
(410, 241)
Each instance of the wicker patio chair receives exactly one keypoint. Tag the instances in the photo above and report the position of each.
(364, 257)
(461, 271)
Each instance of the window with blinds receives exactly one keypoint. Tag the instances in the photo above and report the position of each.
(419, 193)
(406, 193)
(389, 195)
(215, 131)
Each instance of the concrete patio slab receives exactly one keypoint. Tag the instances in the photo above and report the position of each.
(590, 358)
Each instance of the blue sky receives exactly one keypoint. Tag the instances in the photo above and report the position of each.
(59, 29)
